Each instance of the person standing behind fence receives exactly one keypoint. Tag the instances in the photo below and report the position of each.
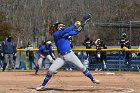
(100, 56)
(88, 43)
(125, 44)
(30, 55)
(14, 60)
(45, 52)
(1, 57)
(8, 50)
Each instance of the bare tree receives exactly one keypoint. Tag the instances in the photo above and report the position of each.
(29, 15)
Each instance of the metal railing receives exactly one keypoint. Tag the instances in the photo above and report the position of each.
(92, 49)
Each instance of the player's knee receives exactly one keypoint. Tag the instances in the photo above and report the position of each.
(50, 72)
(83, 69)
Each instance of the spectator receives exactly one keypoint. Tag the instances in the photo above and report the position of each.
(88, 43)
(30, 55)
(8, 50)
(125, 44)
(14, 60)
(1, 57)
(100, 56)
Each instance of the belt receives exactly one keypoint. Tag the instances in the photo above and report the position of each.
(65, 53)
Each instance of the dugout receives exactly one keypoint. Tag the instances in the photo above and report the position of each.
(115, 61)
(129, 27)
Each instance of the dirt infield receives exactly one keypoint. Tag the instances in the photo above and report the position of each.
(70, 82)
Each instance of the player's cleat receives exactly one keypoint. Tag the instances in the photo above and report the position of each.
(95, 81)
(40, 88)
(36, 69)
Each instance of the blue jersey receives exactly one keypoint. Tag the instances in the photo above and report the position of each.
(44, 50)
(61, 39)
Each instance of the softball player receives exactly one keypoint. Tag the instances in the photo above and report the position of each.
(66, 55)
(45, 52)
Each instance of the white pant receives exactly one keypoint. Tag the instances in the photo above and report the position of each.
(70, 58)
(8, 58)
(48, 58)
